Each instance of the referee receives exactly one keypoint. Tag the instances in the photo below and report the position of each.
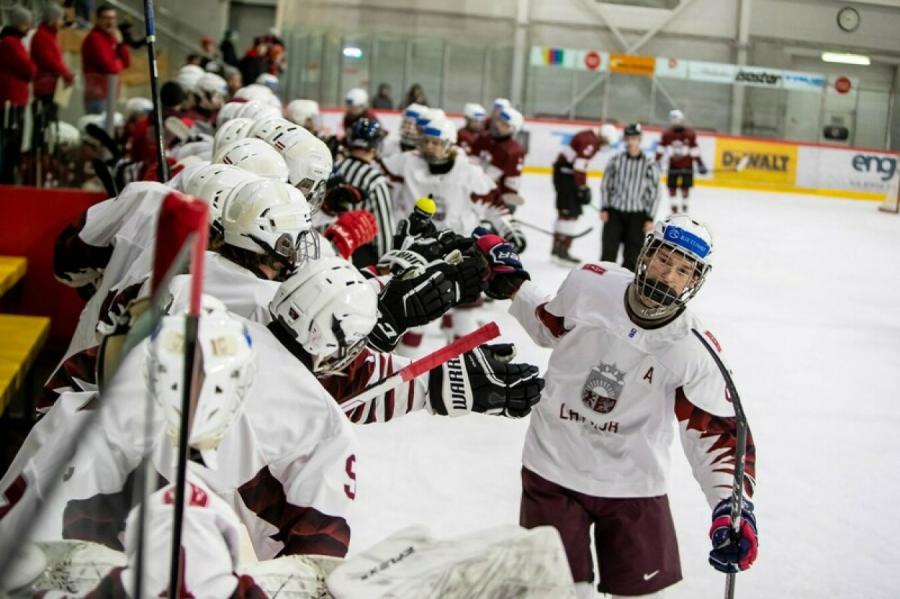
(359, 176)
(630, 192)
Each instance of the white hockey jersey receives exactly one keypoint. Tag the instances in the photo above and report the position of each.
(603, 426)
(286, 465)
(452, 191)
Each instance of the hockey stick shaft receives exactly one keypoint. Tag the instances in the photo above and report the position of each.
(423, 365)
(549, 232)
(150, 23)
(740, 451)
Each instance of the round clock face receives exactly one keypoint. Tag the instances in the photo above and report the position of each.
(848, 19)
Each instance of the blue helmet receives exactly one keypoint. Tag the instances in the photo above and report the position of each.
(365, 133)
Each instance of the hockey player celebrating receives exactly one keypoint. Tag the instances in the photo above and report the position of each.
(570, 182)
(596, 449)
(678, 147)
(475, 116)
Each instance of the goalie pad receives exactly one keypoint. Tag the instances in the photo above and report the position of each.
(505, 561)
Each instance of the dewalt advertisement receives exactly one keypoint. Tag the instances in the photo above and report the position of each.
(751, 163)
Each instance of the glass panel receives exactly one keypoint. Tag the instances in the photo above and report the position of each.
(388, 56)
(464, 77)
(426, 67)
(355, 61)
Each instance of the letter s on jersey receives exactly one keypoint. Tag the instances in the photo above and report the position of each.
(350, 488)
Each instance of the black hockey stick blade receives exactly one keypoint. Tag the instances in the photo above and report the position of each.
(103, 137)
(101, 169)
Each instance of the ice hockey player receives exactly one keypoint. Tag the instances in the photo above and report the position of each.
(357, 106)
(679, 150)
(570, 183)
(474, 115)
(208, 94)
(292, 476)
(306, 114)
(356, 183)
(625, 363)
(630, 195)
(501, 156)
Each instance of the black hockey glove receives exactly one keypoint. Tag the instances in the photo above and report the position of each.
(584, 195)
(506, 271)
(469, 277)
(340, 196)
(405, 303)
(484, 380)
(701, 168)
(410, 229)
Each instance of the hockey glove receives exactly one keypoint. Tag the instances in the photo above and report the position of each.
(730, 554)
(402, 263)
(584, 195)
(405, 303)
(351, 230)
(340, 196)
(468, 276)
(484, 380)
(506, 273)
(701, 168)
(410, 229)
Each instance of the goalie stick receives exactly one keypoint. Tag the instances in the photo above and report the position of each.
(740, 450)
(422, 365)
(548, 232)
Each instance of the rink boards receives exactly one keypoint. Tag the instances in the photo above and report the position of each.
(808, 168)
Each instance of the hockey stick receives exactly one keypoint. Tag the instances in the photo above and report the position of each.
(548, 232)
(739, 166)
(178, 128)
(740, 450)
(423, 365)
(150, 25)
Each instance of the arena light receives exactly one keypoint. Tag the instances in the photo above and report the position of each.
(846, 58)
(353, 52)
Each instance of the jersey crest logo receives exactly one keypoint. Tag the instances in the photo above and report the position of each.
(603, 388)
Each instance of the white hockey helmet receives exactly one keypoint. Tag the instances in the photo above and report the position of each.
(512, 118)
(188, 76)
(231, 131)
(184, 170)
(201, 148)
(609, 132)
(269, 80)
(301, 111)
(63, 134)
(500, 104)
(330, 309)
(680, 244)
(676, 117)
(260, 93)
(409, 128)
(228, 369)
(475, 112)
(356, 98)
(440, 129)
(216, 183)
(137, 106)
(272, 220)
(254, 109)
(269, 128)
(254, 155)
(228, 111)
(309, 162)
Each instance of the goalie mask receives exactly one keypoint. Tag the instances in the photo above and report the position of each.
(330, 309)
(671, 268)
(267, 222)
(227, 368)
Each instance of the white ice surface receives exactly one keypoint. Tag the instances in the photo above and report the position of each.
(805, 298)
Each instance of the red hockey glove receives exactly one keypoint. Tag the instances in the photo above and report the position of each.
(730, 554)
(351, 230)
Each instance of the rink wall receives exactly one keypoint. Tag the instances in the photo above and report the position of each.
(773, 165)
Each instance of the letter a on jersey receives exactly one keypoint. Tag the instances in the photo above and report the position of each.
(648, 376)
(603, 388)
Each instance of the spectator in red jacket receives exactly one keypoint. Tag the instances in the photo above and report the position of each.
(102, 54)
(47, 57)
(16, 73)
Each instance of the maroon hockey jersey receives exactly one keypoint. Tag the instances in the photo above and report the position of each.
(680, 145)
(466, 139)
(502, 161)
(582, 147)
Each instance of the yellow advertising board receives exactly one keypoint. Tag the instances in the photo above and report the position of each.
(632, 64)
(755, 163)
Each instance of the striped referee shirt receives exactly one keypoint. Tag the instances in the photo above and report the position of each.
(373, 186)
(631, 184)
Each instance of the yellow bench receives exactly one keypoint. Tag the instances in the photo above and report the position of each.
(21, 339)
(12, 269)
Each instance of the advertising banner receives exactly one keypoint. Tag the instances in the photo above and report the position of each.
(711, 72)
(804, 82)
(759, 77)
(632, 64)
(553, 57)
(767, 164)
(671, 67)
(592, 60)
(846, 169)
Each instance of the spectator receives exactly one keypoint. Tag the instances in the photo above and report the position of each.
(256, 60)
(83, 11)
(233, 79)
(194, 59)
(103, 53)
(47, 57)
(415, 95)
(383, 97)
(229, 53)
(16, 72)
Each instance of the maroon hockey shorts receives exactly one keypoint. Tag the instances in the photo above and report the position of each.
(634, 538)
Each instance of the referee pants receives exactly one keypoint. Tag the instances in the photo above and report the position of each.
(623, 228)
